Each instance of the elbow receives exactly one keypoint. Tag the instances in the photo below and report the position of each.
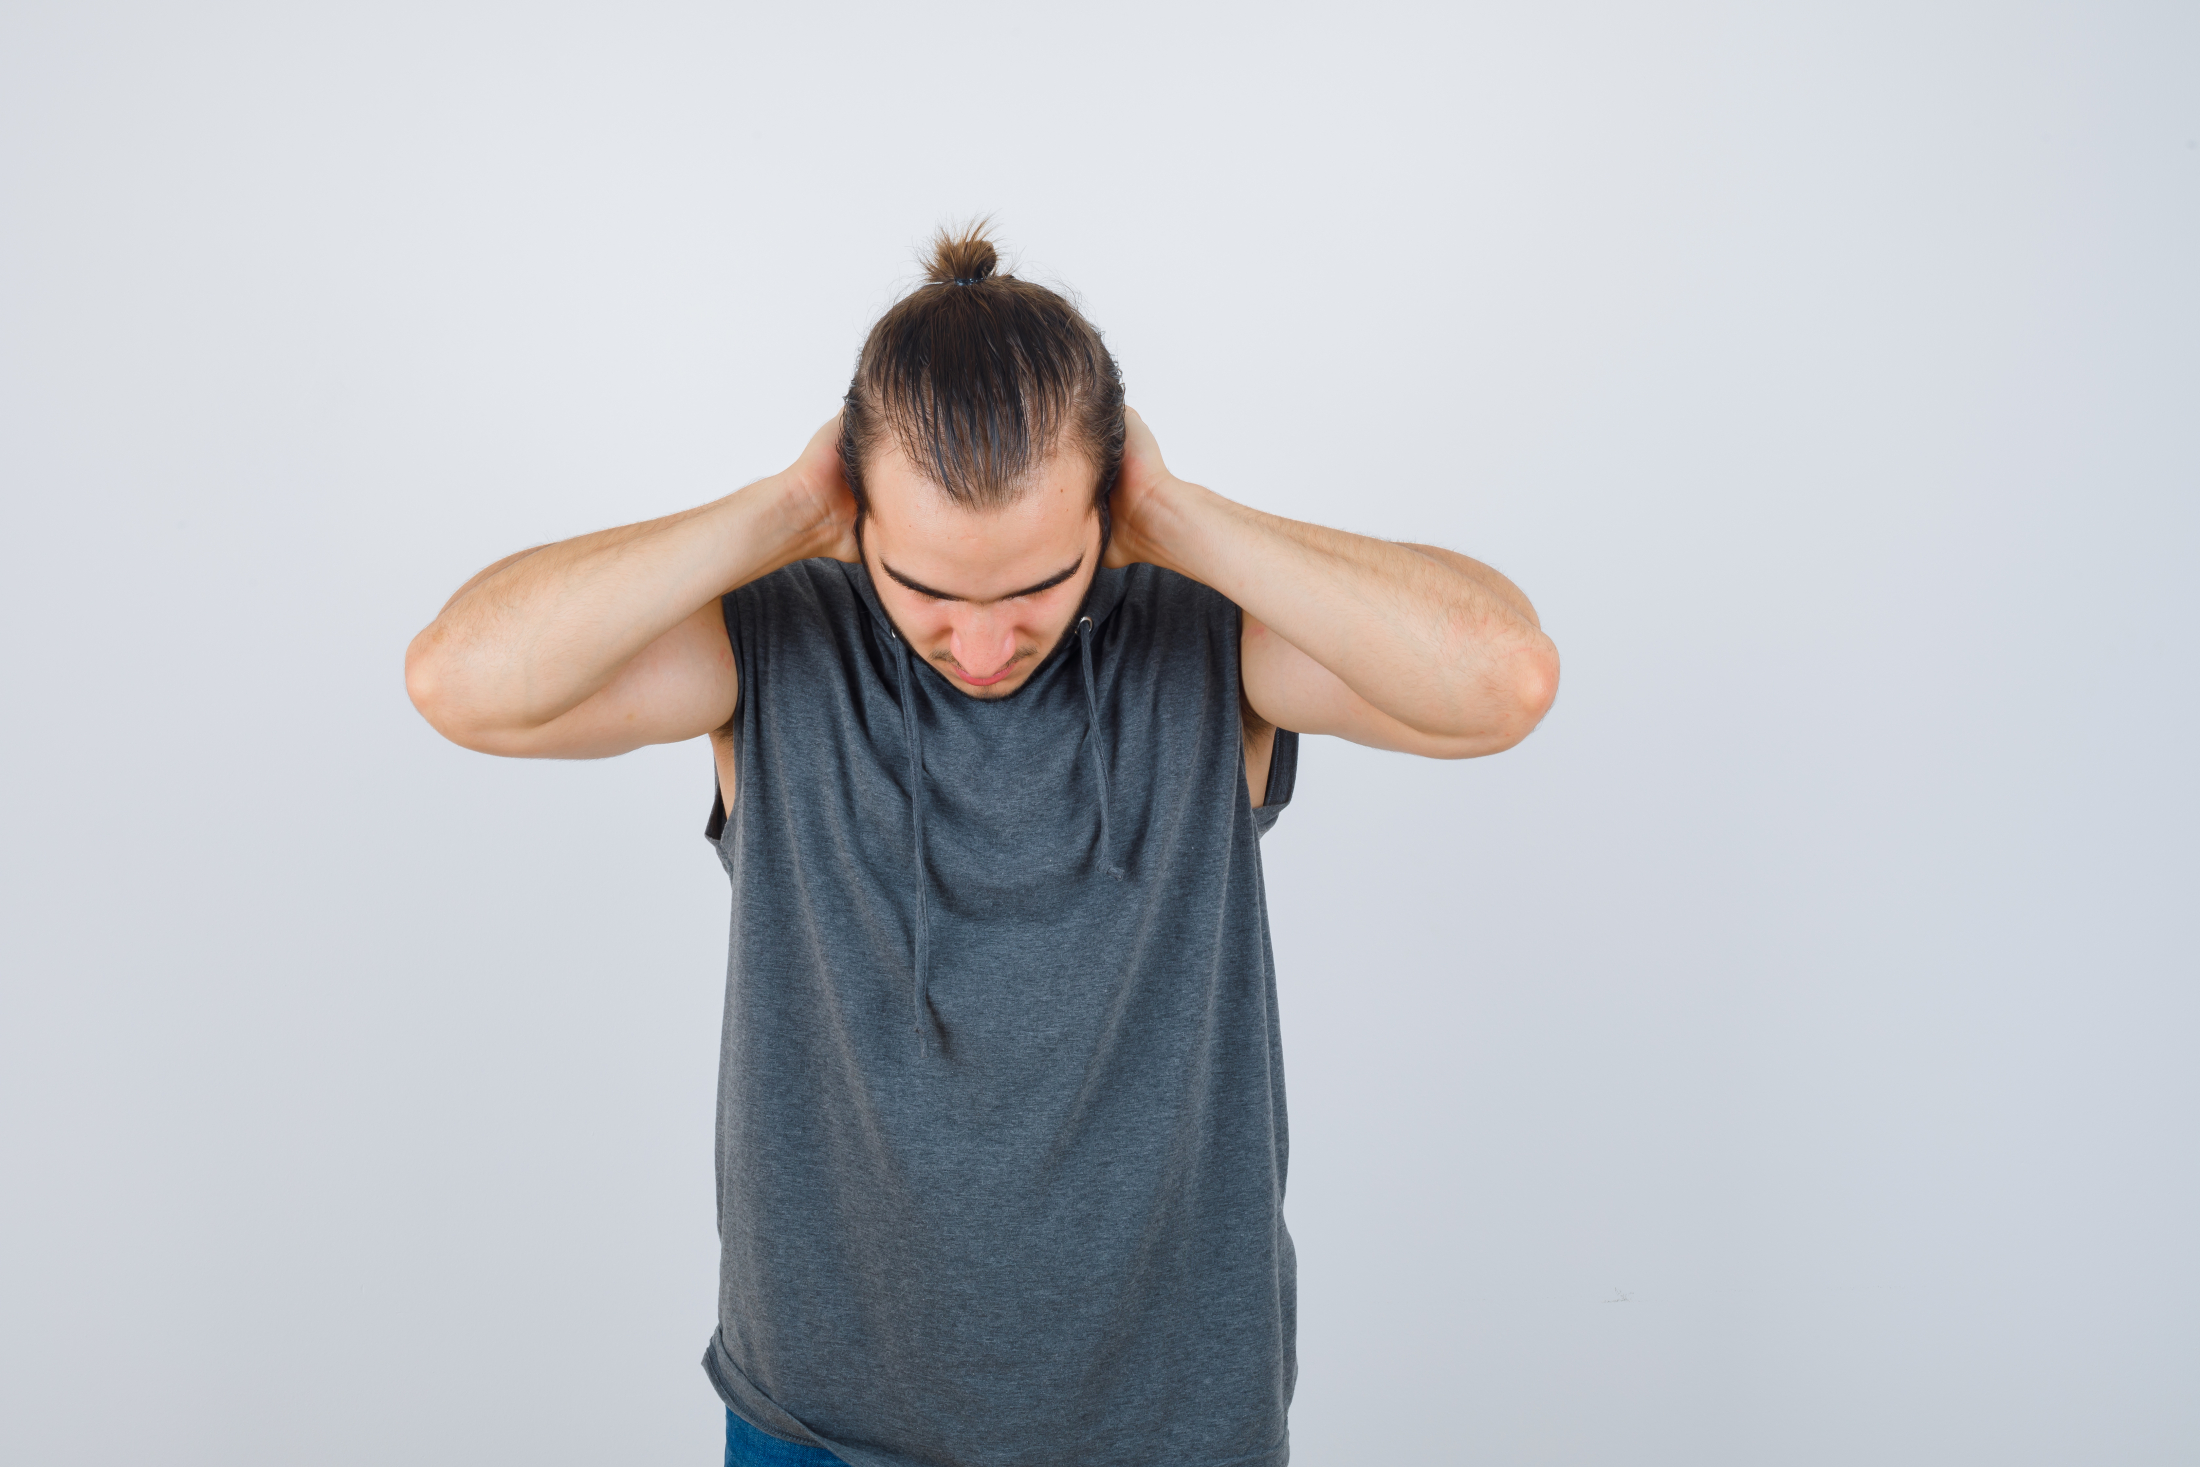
(427, 683)
(1530, 686)
(1511, 700)
(1535, 683)
(435, 696)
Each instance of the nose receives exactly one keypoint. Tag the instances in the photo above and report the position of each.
(982, 641)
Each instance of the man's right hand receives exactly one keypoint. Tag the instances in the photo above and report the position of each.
(821, 485)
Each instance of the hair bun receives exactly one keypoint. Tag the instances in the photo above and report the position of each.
(962, 259)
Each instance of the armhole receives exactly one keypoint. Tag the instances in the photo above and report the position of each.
(714, 829)
(1283, 750)
(1283, 770)
(1283, 776)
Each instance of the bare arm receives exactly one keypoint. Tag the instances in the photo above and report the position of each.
(1397, 646)
(603, 643)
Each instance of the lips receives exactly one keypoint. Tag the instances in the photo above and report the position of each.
(984, 682)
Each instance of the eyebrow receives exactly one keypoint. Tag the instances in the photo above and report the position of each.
(1046, 585)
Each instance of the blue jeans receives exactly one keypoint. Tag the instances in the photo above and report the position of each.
(748, 1447)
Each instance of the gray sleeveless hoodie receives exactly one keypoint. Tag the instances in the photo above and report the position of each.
(1001, 1137)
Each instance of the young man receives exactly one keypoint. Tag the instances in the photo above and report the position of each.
(999, 709)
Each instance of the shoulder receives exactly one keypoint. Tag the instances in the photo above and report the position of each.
(812, 582)
(807, 593)
(1181, 635)
(1170, 604)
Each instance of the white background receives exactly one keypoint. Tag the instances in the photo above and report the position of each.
(1786, 1056)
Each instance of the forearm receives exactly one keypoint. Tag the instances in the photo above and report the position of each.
(536, 634)
(1433, 639)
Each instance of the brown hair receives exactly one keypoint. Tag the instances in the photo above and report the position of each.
(981, 377)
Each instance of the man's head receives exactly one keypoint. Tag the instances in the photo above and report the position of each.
(981, 438)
